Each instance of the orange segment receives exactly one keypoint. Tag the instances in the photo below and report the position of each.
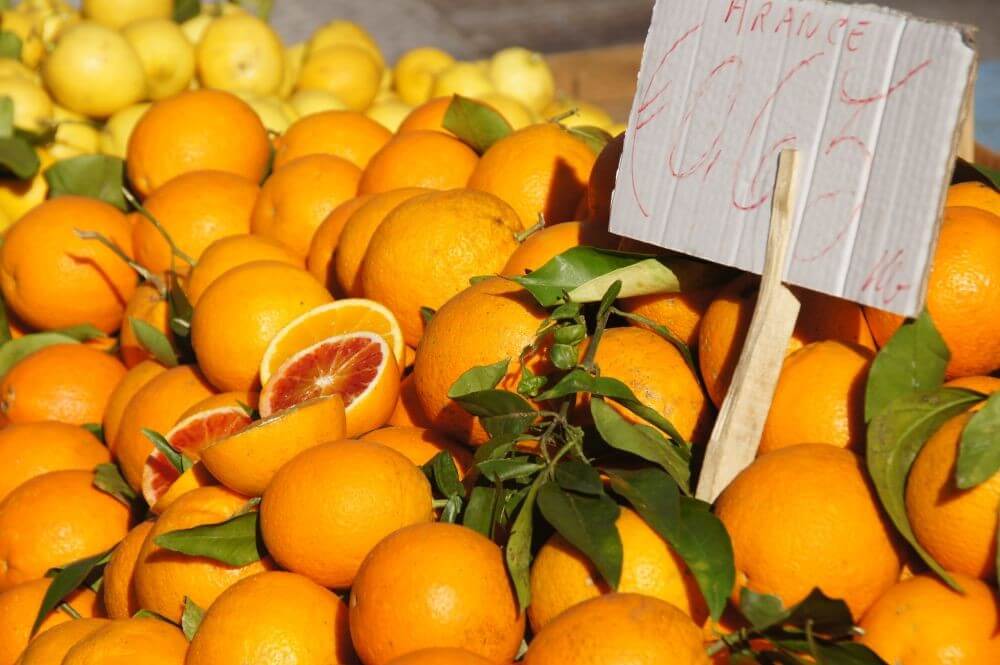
(195, 477)
(246, 461)
(359, 367)
(336, 318)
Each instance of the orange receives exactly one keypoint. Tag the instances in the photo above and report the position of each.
(429, 116)
(543, 245)
(806, 516)
(346, 134)
(408, 411)
(118, 587)
(195, 209)
(329, 506)
(50, 647)
(883, 324)
(973, 195)
(986, 385)
(562, 577)
(163, 578)
(248, 460)
(434, 585)
(336, 318)
(19, 607)
(195, 477)
(147, 304)
(357, 233)
(920, 621)
(658, 375)
(233, 398)
(602, 181)
(958, 527)
(619, 629)
(231, 252)
(403, 267)
(196, 130)
(297, 197)
(326, 238)
(131, 383)
(155, 406)
(487, 322)
(419, 159)
(238, 315)
(820, 398)
(130, 642)
(71, 383)
(52, 279)
(421, 445)
(31, 449)
(539, 170)
(273, 615)
(726, 322)
(443, 656)
(55, 519)
(680, 312)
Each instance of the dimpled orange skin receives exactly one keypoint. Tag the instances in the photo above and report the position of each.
(538, 169)
(196, 130)
(427, 116)
(973, 195)
(434, 585)
(231, 252)
(346, 134)
(155, 406)
(272, 615)
(320, 259)
(920, 621)
(51, 278)
(131, 383)
(443, 656)
(602, 181)
(419, 159)
(164, 578)
(562, 577)
(19, 606)
(328, 507)
(958, 527)
(50, 647)
(806, 516)
(130, 641)
(726, 322)
(408, 411)
(148, 305)
(357, 233)
(403, 267)
(487, 322)
(420, 445)
(541, 246)
(118, 588)
(55, 519)
(820, 398)
(297, 197)
(619, 629)
(241, 312)
(31, 449)
(680, 313)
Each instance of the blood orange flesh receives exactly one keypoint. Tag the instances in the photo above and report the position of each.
(189, 437)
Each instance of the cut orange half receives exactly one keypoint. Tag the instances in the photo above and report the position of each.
(335, 318)
(359, 367)
(246, 461)
(189, 437)
(195, 477)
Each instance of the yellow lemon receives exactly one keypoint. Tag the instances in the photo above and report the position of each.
(10, 68)
(32, 106)
(468, 79)
(616, 128)
(416, 70)
(274, 113)
(389, 113)
(93, 70)
(349, 72)
(24, 26)
(516, 113)
(75, 135)
(578, 113)
(523, 75)
(118, 129)
(241, 53)
(295, 56)
(19, 196)
(345, 33)
(194, 28)
(166, 55)
(118, 13)
(306, 102)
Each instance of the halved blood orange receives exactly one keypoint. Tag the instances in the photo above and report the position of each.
(189, 437)
(335, 318)
(359, 367)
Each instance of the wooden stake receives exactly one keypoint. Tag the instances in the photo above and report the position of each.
(967, 132)
(737, 431)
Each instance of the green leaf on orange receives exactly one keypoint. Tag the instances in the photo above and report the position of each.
(14, 350)
(191, 618)
(10, 45)
(65, 581)
(482, 377)
(480, 510)
(234, 542)
(595, 137)
(154, 341)
(83, 332)
(517, 552)
(18, 158)
(108, 478)
(95, 176)
(174, 456)
(475, 123)
(5, 335)
(979, 450)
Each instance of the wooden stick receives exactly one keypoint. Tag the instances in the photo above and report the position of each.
(738, 428)
(967, 133)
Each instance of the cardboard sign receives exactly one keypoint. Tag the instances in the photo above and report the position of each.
(872, 100)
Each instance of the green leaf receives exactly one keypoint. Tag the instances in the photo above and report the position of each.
(653, 494)
(5, 335)
(95, 429)
(760, 609)
(154, 341)
(979, 452)
(639, 279)
(663, 332)
(10, 45)
(15, 350)
(846, 653)
(825, 615)
(18, 158)
(478, 379)
(503, 414)
(479, 512)
(517, 553)
(446, 475)
(642, 441)
(66, 581)
(529, 385)
(149, 614)
(6, 114)
(108, 478)
(234, 542)
(579, 477)
(475, 123)
(186, 9)
(570, 334)
(564, 356)
(573, 268)
(95, 176)
(567, 312)
(895, 437)
(509, 468)
(588, 524)
(159, 442)
(426, 314)
(259, 8)
(967, 171)
(991, 174)
(452, 509)
(82, 333)
(595, 137)
(914, 359)
(191, 618)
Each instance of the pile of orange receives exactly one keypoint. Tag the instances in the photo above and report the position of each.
(291, 328)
